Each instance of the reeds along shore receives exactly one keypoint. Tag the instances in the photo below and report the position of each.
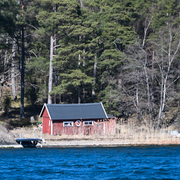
(143, 135)
(126, 134)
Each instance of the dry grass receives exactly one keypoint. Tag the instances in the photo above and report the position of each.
(132, 134)
(126, 134)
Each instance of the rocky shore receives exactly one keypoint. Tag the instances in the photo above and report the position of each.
(6, 137)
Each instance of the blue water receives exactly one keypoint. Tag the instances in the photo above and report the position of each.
(91, 163)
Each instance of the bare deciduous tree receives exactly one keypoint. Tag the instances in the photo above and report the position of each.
(166, 49)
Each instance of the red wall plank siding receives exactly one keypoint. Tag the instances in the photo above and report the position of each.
(46, 122)
(104, 127)
(99, 127)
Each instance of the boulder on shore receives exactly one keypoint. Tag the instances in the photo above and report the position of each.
(6, 138)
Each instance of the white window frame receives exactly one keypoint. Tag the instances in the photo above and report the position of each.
(70, 123)
(88, 123)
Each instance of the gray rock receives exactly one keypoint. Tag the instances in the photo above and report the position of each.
(32, 119)
(6, 138)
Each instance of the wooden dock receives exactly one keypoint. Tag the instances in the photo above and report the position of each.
(28, 142)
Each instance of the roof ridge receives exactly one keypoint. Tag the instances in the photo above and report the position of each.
(72, 104)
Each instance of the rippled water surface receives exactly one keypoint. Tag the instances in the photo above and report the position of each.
(91, 163)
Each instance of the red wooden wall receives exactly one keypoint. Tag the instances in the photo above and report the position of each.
(46, 122)
(104, 127)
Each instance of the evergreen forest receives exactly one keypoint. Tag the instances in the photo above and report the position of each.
(123, 53)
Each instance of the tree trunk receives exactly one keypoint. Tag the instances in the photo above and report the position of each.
(0, 96)
(79, 95)
(13, 81)
(94, 83)
(137, 89)
(5, 65)
(79, 88)
(84, 63)
(148, 94)
(22, 77)
(50, 72)
(81, 4)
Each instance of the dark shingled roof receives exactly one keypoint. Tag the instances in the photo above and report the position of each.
(75, 111)
(110, 116)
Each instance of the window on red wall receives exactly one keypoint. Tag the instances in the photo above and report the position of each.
(88, 123)
(68, 123)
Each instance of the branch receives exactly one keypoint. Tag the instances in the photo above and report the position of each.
(175, 51)
(173, 82)
(33, 52)
(34, 86)
(159, 66)
(32, 26)
(8, 79)
(145, 32)
(158, 46)
(56, 46)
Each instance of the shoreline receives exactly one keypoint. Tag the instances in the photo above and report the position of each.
(93, 143)
(125, 138)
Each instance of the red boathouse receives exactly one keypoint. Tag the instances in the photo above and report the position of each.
(71, 119)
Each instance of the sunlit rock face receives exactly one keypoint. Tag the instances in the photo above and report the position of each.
(6, 137)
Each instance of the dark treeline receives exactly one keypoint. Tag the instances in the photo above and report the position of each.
(124, 53)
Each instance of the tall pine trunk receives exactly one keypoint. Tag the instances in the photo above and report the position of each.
(94, 76)
(13, 80)
(50, 72)
(22, 77)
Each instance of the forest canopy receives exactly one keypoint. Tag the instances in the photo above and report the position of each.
(122, 53)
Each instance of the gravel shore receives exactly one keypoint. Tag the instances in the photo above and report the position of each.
(97, 143)
(106, 143)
